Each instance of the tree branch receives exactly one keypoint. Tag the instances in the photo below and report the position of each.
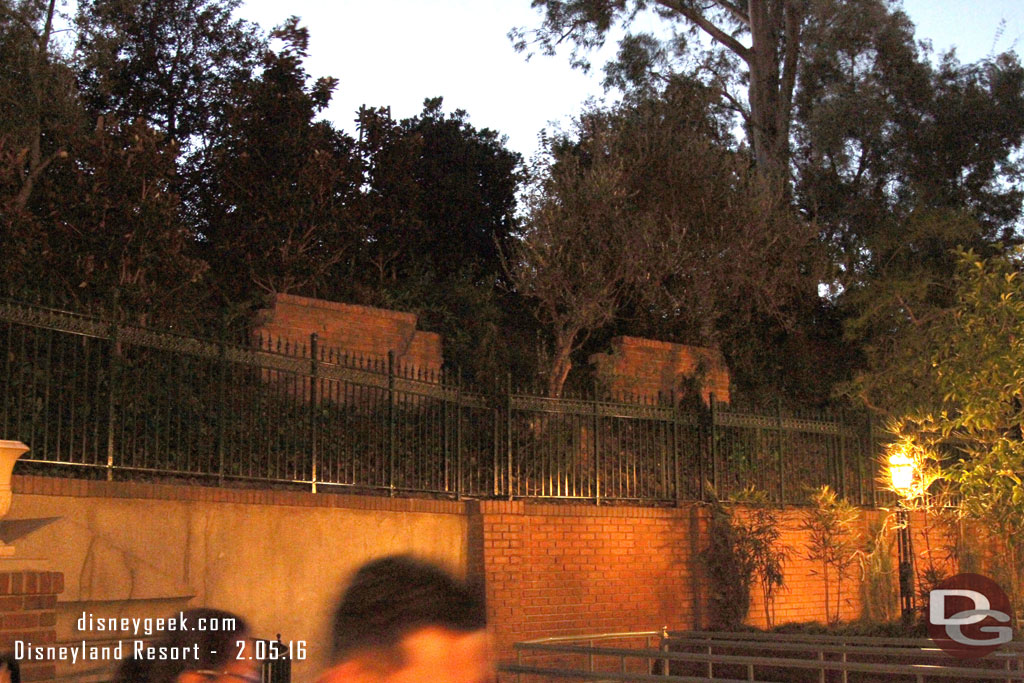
(720, 36)
(21, 20)
(26, 188)
(789, 64)
(735, 11)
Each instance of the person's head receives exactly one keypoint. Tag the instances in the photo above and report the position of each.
(9, 670)
(403, 620)
(208, 648)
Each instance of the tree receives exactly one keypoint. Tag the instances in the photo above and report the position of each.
(761, 37)
(173, 63)
(758, 527)
(832, 541)
(931, 164)
(278, 193)
(88, 215)
(648, 207)
(39, 97)
(442, 194)
(974, 353)
(439, 204)
(106, 230)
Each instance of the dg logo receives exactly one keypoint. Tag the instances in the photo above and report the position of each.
(969, 616)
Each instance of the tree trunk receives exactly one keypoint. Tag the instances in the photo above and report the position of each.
(36, 163)
(561, 362)
(772, 61)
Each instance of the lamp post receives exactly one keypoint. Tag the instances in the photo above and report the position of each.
(902, 470)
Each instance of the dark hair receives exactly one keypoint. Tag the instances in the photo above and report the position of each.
(11, 663)
(216, 647)
(390, 597)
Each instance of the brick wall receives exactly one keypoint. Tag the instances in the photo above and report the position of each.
(647, 368)
(356, 330)
(561, 570)
(28, 602)
(553, 570)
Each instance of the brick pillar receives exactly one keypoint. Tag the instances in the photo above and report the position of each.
(495, 557)
(28, 604)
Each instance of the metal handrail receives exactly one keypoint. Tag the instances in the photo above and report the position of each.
(839, 645)
(732, 636)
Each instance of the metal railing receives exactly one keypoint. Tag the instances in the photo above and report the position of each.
(762, 657)
(97, 396)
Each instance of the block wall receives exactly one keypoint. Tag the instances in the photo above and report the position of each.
(648, 369)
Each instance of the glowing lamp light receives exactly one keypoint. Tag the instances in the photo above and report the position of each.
(901, 472)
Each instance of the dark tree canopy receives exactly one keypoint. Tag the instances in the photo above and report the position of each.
(439, 202)
(441, 194)
(647, 209)
(171, 62)
(753, 60)
(277, 192)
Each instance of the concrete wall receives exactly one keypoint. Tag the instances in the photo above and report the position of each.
(279, 559)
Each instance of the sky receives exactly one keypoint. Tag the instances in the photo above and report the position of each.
(398, 52)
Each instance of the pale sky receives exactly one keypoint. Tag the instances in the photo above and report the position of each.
(398, 52)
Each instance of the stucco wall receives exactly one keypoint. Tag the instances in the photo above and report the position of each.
(279, 559)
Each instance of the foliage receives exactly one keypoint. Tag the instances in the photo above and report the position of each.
(832, 541)
(37, 89)
(753, 60)
(900, 157)
(441, 195)
(729, 566)
(646, 209)
(173, 63)
(438, 205)
(276, 201)
(879, 589)
(107, 230)
(743, 549)
(760, 533)
(975, 359)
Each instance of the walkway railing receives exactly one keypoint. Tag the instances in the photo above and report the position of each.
(107, 399)
(789, 658)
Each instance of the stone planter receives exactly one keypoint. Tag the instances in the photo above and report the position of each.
(10, 451)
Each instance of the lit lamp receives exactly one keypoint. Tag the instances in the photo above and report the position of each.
(902, 472)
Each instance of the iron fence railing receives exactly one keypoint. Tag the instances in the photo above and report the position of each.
(104, 397)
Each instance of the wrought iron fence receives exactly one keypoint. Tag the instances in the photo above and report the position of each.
(110, 398)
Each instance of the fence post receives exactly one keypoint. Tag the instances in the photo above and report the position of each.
(391, 423)
(314, 366)
(782, 458)
(869, 449)
(496, 439)
(458, 434)
(840, 420)
(446, 440)
(221, 405)
(713, 447)
(597, 448)
(115, 376)
(508, 433)
(675, 452)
